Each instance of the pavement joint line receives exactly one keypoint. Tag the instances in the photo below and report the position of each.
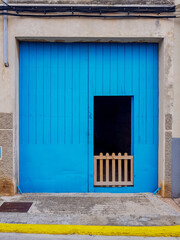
(143, 231)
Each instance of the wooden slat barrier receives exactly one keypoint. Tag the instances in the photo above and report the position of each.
(115, 171)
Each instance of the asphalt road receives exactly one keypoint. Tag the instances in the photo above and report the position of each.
(20, 236)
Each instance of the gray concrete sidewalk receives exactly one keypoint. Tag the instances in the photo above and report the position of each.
(20, 236)
(95, 209)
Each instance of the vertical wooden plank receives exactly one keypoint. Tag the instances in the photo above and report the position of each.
(101, 168)
(61, 74)
(132, 170)
(47, 105)
(119, 169)
(68, 95)
(84, 114)
(132, 69)
(146, 95)
(76, 93)
(128, 68)
(92, 67)
(54, 51)
(24, 99)
(142, 93)
(32, 93)
(50, 93)
(155, 95)
(107, 168)
(92, 80)
(95, 170)
(114, 78)
(21, 59)
(154, 160)
(138, 98)
(135, 101)
(99, 69)
(120, 69)
(150, 107)
(84, 98)
(106, 68)
(39, 92)
(113, 167)
(125, 168)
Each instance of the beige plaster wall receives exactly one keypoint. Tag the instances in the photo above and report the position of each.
(6, 125)
(82, 29)
(176, 63)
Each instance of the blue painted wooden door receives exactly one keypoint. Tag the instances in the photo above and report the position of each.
(129, 70)
(58, 82)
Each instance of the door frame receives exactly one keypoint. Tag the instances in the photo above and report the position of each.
(91, 187)
(161, 113)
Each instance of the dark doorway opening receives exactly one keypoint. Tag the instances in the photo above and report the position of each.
(112, 124)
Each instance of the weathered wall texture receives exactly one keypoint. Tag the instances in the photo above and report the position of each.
(6, 126)
(176, 112)
(168, 150)
(6, 142)
(83, 29)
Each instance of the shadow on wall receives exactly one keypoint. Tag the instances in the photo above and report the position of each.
(112, 124)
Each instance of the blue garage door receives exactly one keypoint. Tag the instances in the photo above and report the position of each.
(58, 82)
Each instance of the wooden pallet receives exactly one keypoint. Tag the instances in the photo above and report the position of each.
(113, 170)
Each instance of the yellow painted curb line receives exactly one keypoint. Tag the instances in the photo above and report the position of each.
(162, 231)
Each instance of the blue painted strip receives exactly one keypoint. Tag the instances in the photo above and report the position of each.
(132, 125)
(156, 190)
(19, 189)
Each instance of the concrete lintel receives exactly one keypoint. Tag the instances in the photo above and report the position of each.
(89, 39)
(107, 2)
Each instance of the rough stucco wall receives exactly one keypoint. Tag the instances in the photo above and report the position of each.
(102, 2)
(5, 89)
(6, 125)
(169, 100)
(92, 30)
(166, 101)
(176, 112)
